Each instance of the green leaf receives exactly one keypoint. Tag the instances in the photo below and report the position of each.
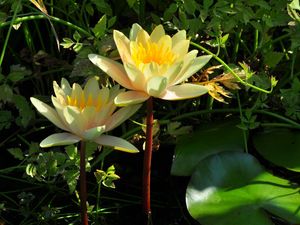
(5, 119)
(272, 58)
(71, 151)
(131, 3)
(16, 152)
(67, 43)
(210, 139)
(6, 93)
(99, 29)
(17, 73)
(295, 4)
(71, 177)
(233, 188)
(280, 146)
(76, 36)
(25, 110)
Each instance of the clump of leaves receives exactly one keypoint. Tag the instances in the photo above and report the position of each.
(107, 177)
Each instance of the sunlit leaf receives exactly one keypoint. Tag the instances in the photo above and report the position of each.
(233, 188)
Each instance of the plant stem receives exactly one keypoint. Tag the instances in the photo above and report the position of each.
(83, 193)
(147, 162)
(231, 70)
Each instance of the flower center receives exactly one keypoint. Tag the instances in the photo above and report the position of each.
(82, 102)
(152, 52)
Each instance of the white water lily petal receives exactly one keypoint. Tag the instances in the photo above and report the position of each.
(181, 48)
(91, 87)
(178, 37)
(93, 133)
(65, 86)
(173, 72)
(135, 29)
(157, 33)
(165, 42)
(59, 139)
(156, 85)
(122, 43)
(76, 122)
(48, 112)
(117, 143)
(131, 97)
(120, 116)
(115, 70)
(136, 77)
(196, 65)
(184, 91)
(142, 38)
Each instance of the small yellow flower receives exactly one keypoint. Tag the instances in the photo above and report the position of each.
(86, 114)
(154, 65)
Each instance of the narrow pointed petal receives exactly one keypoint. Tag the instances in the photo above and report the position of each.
(178, 37)
(157, 33)
(142, 37)
(135, 29)
(181, 48)
(122, 43)
(48, 112)
(130, 98)
(113, 69)
(74, 119)
(65, 86)
(184, 91)
(156, 85)
(120, 116)
(91, 87)
(136, 77)
(117, 143)
(59, 139)
(93, 133)
(173, 71)
(196, 65)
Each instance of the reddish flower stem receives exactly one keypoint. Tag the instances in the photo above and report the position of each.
(147, 162)
(83, 192)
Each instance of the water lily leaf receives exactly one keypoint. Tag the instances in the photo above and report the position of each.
(279, 146)
(233, 188)
(210, 139)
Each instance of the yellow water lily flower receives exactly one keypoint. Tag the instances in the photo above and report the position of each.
(154, 65)
(86, 114)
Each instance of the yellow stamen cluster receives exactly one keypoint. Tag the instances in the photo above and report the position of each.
(152, 52)
(82, 102)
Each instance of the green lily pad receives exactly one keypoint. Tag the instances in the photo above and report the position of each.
(210, 139)
(279, 146)
(233, 188)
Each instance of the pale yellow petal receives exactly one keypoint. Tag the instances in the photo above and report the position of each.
(117, 143)
(91, 87)
(120, 116)
(135, 29)
(136, 77)
(65, 86)
(156, 85)
(194, 67)
(123, 46)
(184, 91)
(173, 71)
(181, 49)
(76, 122)
(93, 133)
(130, 98)
(178, 37)
(48, 112)
(165, 42)
(157, 33)
(142, 38)
(115, 70)
(59, 139)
